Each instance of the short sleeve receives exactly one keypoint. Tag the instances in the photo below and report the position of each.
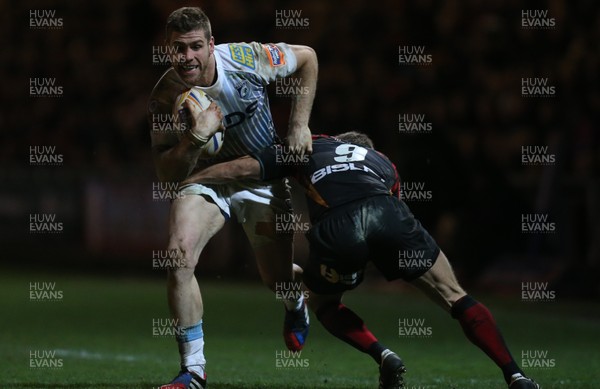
(274, 60)
(268, 61)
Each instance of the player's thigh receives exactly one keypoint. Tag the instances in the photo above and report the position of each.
(262, 209)
(339, 251)
(400, 247)
(193, 221)
(273, 249)
(440, 283)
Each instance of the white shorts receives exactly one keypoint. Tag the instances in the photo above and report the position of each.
(255, 204)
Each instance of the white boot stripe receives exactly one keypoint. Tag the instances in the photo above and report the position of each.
(194, 384)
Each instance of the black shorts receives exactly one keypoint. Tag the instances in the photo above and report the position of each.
(380, 229)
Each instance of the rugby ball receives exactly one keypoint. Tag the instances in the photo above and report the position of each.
(201, 100)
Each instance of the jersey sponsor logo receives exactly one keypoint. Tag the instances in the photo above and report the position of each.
(275, 55)
(242, 55)
(235, 118)
(242, 89)
(331, 275)
(338, 168)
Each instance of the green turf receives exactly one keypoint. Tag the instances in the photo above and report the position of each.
(101, 331)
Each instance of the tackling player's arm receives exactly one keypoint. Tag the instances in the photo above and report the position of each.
(263, 165)
(298, 135)
(176, 161)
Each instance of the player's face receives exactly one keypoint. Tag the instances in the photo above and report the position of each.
(193, 61)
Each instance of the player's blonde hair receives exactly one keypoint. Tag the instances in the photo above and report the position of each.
(186, 19)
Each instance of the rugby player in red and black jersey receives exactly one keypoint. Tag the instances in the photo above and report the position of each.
(357, 216)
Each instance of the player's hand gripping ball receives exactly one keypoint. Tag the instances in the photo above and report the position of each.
(200, 100)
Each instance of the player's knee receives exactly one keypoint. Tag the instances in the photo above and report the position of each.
(185, 250)
(182, 261)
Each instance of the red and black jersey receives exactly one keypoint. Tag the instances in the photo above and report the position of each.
(335, 173)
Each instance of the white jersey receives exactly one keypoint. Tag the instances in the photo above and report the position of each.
(243, 72)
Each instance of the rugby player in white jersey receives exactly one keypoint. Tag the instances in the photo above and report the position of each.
(235, 76)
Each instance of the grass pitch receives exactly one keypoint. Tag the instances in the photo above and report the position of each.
(111, 333)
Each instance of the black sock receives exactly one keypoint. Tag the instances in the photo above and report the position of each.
(509, 369)
(375, 351)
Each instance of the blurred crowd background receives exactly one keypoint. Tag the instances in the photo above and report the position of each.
(470, 92)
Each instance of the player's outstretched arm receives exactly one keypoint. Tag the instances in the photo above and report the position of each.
(222, 173)
(175, 162)
(298, 135)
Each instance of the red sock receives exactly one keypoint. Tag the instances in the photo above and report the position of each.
(346, 325)
(480, 328)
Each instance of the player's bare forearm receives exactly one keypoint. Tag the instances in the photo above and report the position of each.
(299, 136)
(225, 172)
(176, 162)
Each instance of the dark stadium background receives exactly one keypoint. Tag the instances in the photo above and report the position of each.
(471, 160)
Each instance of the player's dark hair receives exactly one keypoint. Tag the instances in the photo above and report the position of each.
(188, 19)
(357, 138)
